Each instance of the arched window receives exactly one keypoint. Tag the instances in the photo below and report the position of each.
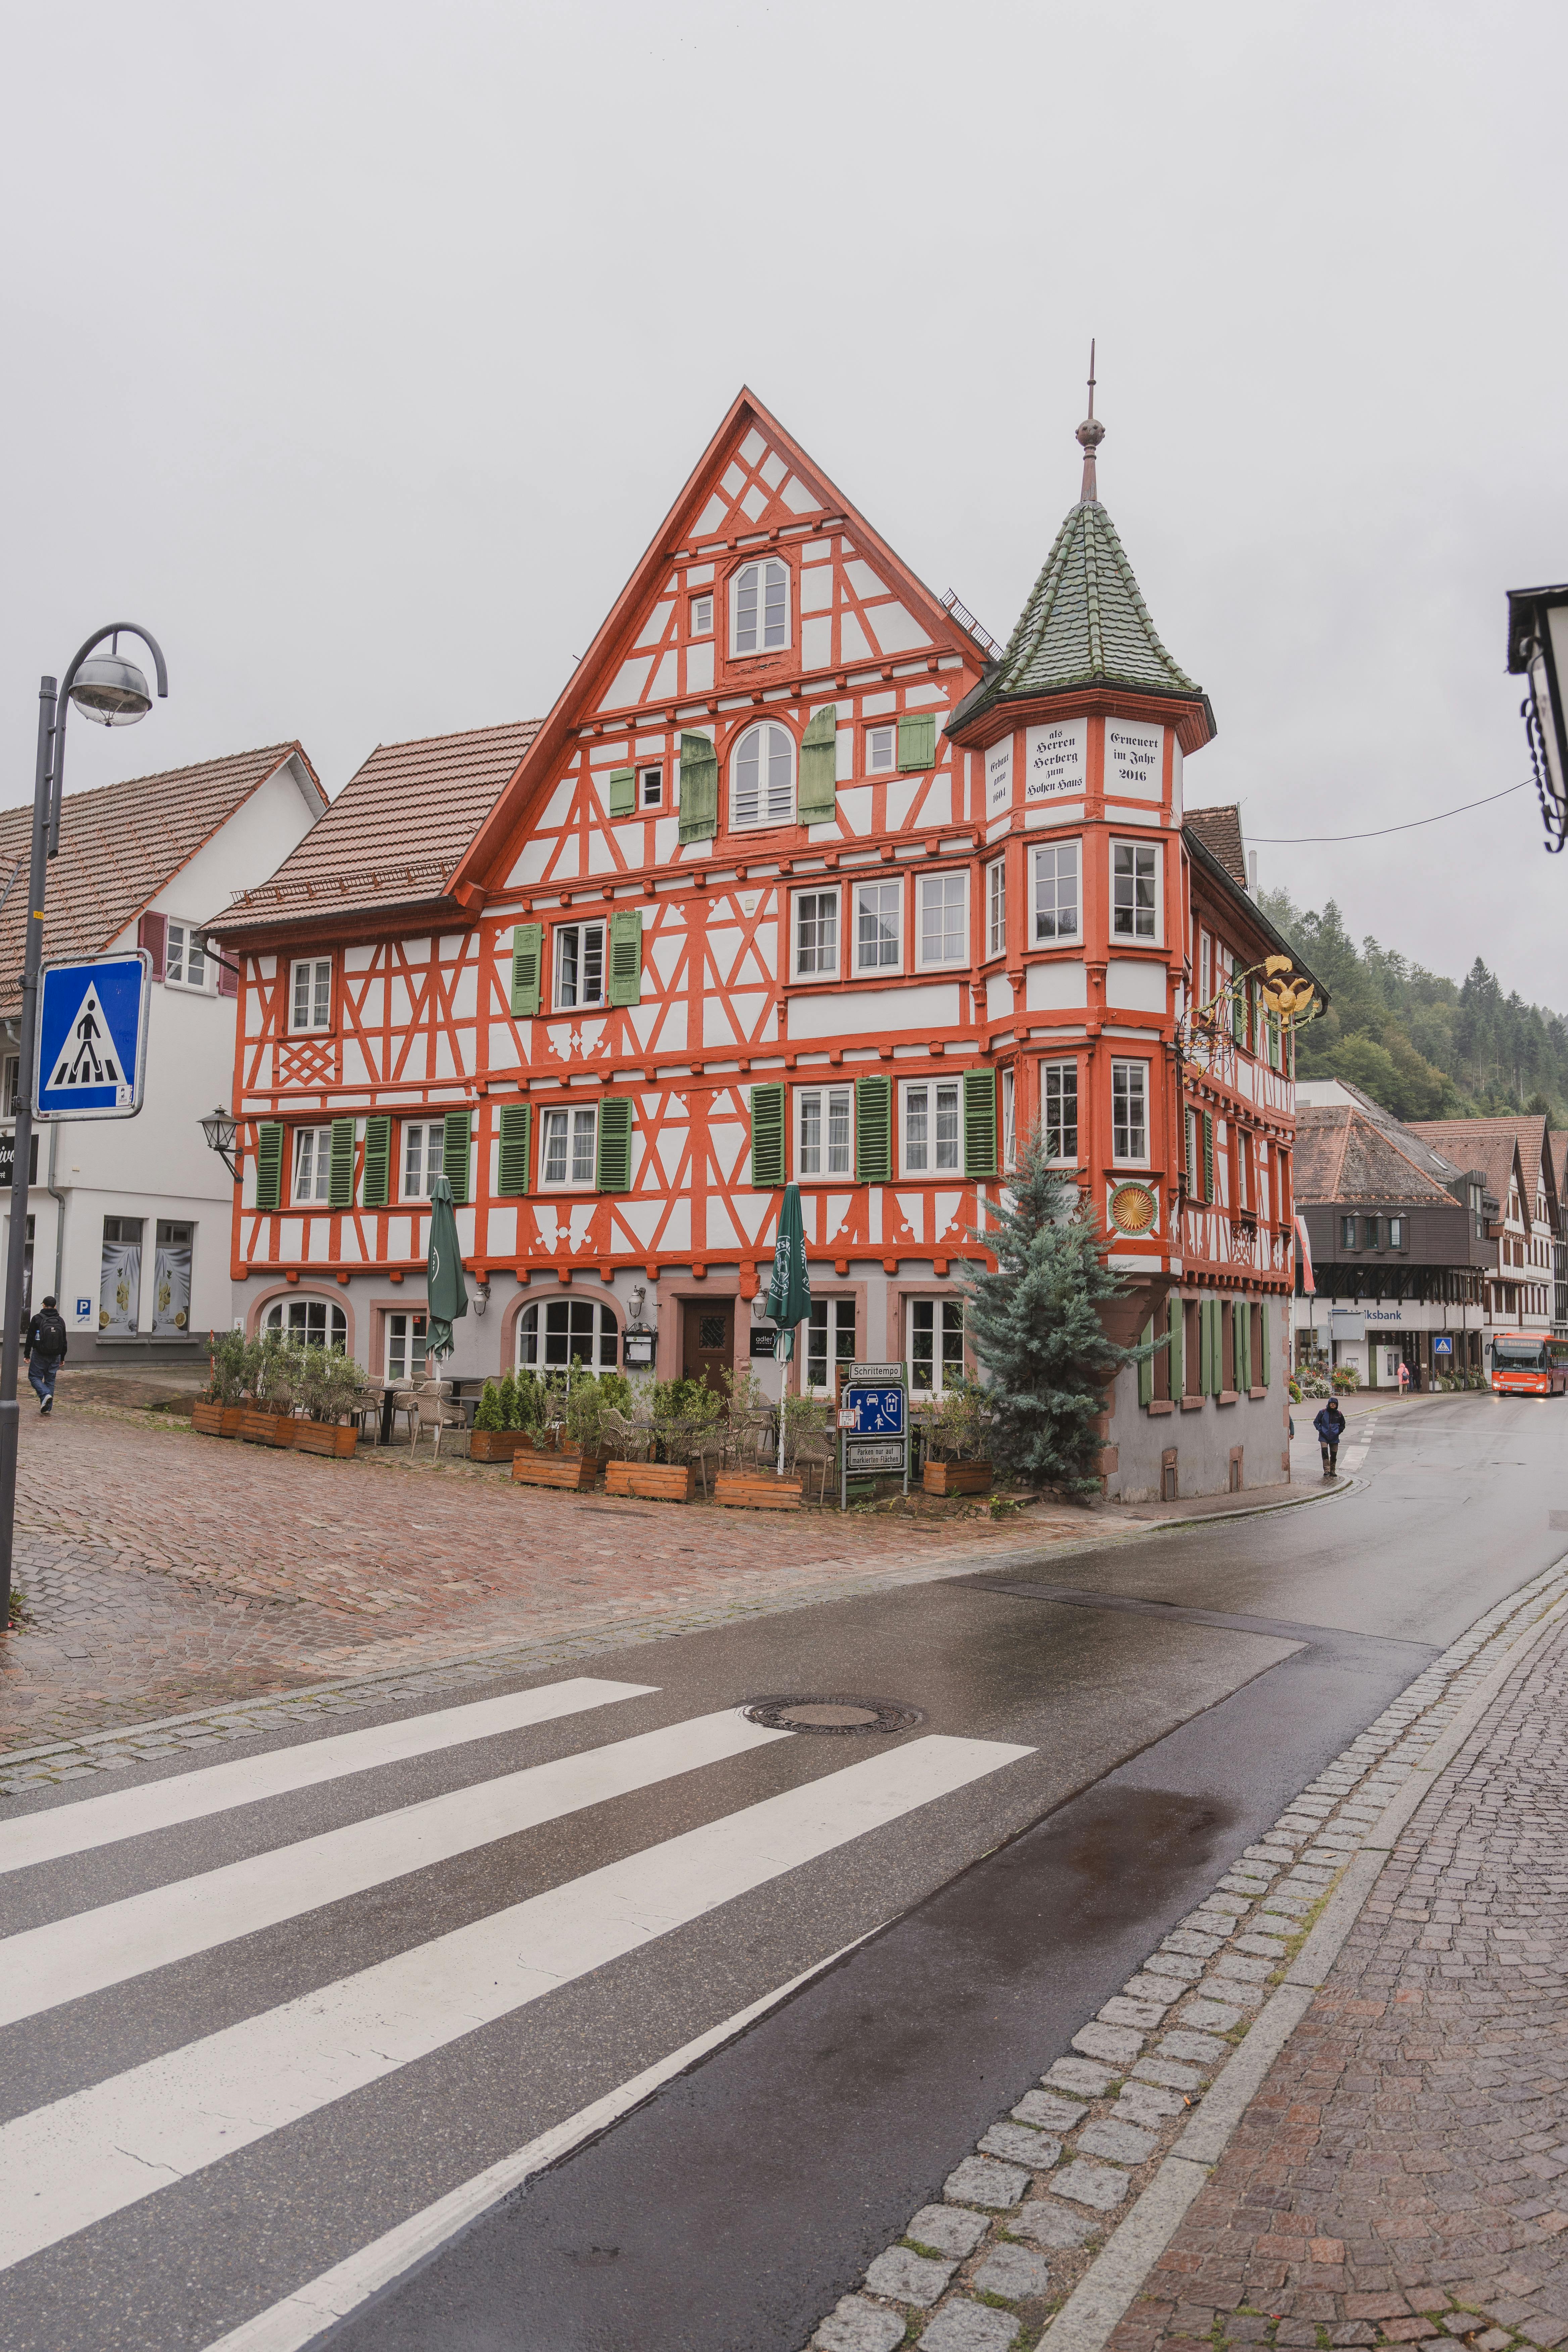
(762, 778)
(759, 607)
(316, 1322)
(549, 1336)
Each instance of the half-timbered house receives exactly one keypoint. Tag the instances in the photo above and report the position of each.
(802, 877)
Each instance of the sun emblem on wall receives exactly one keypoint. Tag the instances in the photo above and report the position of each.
(1133, 1208)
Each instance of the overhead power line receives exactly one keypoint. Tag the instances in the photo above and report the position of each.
(1289, 840)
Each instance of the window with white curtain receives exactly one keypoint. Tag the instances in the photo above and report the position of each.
(759, 607)
(825, 1131)
(313, 1163)
(567, 1147)
(762, 778)
(931, 1128)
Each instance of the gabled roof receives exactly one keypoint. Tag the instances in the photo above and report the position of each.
(1219, 830)
(1345, 1154)
(1533, 1140)
(1490, 1145)
(119, 847)
(396, 833)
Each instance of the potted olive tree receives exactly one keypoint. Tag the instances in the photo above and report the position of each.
(329, 1384)
(272, 1374)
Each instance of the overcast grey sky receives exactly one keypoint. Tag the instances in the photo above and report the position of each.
(359, 350)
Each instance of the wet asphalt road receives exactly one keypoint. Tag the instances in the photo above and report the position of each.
(1170, 1697)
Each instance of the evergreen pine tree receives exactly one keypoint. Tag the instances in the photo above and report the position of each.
(1035, 1332)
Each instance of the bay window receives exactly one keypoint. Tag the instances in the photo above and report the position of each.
(1059, 1108)
(1130, 1111)
(944, 918)
(1134, 890)
(1057, 898)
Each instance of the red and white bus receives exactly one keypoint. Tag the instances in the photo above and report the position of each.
(1527, 1363)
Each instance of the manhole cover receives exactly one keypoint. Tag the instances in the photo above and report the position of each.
(834, 1714)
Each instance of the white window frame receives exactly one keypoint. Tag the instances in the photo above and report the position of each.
(762, 566)
(943, 876)
(881, 736)
(920, 1157)
(893, 885)
(946, 1324)
(571, 1135)
(189, 935)
(818, 1108)
(1128, 1084)
(432, 1133)
(312, 1166)
(1009, 1119)
(293, 1316)
(700, 614)
(580, 933)
(1136, 848)
(1054, 1078)
(816, 970)
(603, 1338)
(1054, 852)
(838, 1323)
(415, 1344)
(768, 816)
(1206, 968)
(996, 909)
(320, 982)
(10, 1085)
(650, 785)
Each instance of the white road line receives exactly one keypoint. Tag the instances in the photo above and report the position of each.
(109, 2146)
(191, 1796)
(82, 1953)
(310, 2309)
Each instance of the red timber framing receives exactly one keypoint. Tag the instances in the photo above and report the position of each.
(753, 905)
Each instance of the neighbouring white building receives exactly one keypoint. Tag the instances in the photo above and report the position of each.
(127, 1220)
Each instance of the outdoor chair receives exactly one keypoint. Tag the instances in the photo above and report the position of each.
(432, 1410)
(710, 1445)
(625, 1439)
(365, 1410)
(402, 1402)
(816, 1454)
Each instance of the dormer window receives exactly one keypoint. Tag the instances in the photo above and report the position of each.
(759, 607)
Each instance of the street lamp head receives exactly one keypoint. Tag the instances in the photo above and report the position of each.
(110, 690)
(219, 1128)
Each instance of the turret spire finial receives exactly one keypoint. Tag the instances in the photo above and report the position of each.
(1091, 433)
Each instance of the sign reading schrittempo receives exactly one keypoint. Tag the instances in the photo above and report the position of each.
(874, 1376)
(1134, 758)
(1057, 760)
(999, 776)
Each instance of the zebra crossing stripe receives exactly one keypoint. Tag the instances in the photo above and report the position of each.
(86, 1951)
(193, 1796)
(110, 2146)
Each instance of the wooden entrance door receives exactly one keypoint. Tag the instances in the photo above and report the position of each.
(707, 1340)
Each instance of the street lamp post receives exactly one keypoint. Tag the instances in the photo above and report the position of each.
(1538, 649)
(113, 690)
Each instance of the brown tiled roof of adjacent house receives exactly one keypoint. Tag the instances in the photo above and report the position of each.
(1342, 1154)
(1488, 1144)
(1219, 830)
(1538, 1161)
(394, 834)
(119, 846)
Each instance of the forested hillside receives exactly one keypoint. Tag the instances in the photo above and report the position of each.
(1423, 1046)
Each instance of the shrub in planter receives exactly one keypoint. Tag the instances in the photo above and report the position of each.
(491, 1439)
(1295, 1390)
(1347, 1380)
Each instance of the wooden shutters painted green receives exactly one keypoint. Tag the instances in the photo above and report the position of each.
(817, 798)
(376, 1184)
(623, 792)
(1242, 1315)
(980, 1123)
(270, 1164)
(917, 741)
(1146, 1367)
(516, 1128)
(767, 1137)
(615, 1174)
(1238, 1011)
(873, 1130)
(455, 1153)
(626, 956)
(1208, 1155)
(527, 954)
(1205, 1349)
(1176, 1324)
(340, 1166)
(1263, 1339)
(699, 789)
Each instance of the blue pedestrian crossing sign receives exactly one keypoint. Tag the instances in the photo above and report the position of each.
(92, 1037)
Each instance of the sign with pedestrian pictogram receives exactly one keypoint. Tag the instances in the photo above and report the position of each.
(1442, 1345)
(91, 1044)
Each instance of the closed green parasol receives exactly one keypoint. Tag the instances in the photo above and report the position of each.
(789, 1292)
(445, 1290)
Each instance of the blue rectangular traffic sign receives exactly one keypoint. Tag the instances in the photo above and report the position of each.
(1442, 1346)
(880, 1412)
(91, 1046)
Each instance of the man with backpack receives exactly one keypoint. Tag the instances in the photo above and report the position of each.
(45, 1351)
(1329, 1425)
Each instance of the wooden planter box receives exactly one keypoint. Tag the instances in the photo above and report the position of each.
(268, 1428)
(957, 1477)
(497, 1444)
(325, 1437)
(656, 1481)
(217, 1420)
(752, 1491)
(567, 1470)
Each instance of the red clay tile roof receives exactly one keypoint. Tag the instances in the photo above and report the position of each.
(1219, 830)
(119, 846)
(394, 834)
(1342, 1154)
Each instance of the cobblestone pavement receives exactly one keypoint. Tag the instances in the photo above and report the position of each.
(163, 1571)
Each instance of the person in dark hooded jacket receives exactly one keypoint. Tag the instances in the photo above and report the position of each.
(1329, 1425)
(45, 1350)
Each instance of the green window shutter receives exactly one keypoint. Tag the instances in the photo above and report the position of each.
(375, 1184)
(1176, 1324)
(819, 794)
(623, 792)
(767, 1137)
(340, 1167)
(516, 1134)
(527, 954)
(616, 1144)
(873, 1130)
(1189, 1152)
(980, 1123)
(270, 1164)
(1263, 1337)
(1242, 1316)
(917, 741)
(1146, 1367)
(626, 956)
(1238, 1013)
(1208, 1155)
(1205, 1349)
(699, 789)
(454, 1153)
